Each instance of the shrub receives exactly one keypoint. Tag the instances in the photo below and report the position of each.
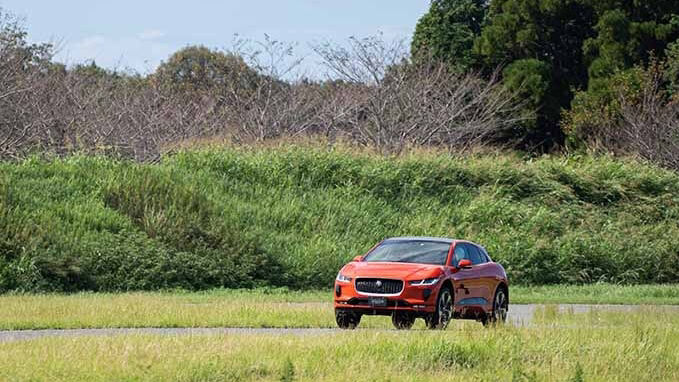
(292, 216)
(631, 113)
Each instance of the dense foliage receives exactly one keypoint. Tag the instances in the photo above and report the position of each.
(447, 32)
(197, 68)
(293, 216)
(556, 47)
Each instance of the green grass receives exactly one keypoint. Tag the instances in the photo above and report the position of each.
(596, 294)
(211, 309)
(292, 215)
(604, 347)
(258, 308)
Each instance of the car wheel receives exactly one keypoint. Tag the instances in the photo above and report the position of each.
(500, 308)
(444, 310)
(347, 320)
(403, 320)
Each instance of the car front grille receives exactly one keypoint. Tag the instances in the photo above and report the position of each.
(379, 286)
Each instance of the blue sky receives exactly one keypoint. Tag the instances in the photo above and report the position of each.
(139, 34)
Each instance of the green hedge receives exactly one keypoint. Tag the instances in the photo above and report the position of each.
(292, 216)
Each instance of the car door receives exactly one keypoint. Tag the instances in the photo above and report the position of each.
(486, 277)
(465, 281)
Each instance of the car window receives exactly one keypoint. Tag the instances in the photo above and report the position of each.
(410, 251)
(475, 255)
(483, 258)
(459, 254)
(485, 254)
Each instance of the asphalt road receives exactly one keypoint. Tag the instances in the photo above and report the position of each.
(519, 315)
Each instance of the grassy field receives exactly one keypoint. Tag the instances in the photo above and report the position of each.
(292, 215)
(565, 347)
(259, 308)
(667, 294)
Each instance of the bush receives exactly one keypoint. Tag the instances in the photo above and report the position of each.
(598, 111)
(292, 216)
(635, 112)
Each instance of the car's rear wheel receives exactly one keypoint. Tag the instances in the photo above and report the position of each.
(500, 308)
(444, 310)
(403, 320)
(347, 319)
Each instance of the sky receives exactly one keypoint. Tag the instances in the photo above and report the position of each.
(140, 34)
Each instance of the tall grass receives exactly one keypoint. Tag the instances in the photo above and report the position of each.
(293, 215)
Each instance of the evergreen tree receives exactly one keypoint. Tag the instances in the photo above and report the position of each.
(447, 32)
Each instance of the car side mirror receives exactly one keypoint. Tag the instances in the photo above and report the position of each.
(464, 264)
(358, 258)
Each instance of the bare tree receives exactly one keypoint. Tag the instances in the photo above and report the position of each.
(376, 97)
(277, 101)
(649, 124)
(21, 67)
(389, 102)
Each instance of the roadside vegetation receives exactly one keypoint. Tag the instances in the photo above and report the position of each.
(292, 215)
(564, 347)
(261, 308)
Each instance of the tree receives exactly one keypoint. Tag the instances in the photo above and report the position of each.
(584, 43)
(447, 32)
(530, 80)
(628, 34)
(672, 68)
(550, 34)
(199, 68)
(391, 103)
(23, 67)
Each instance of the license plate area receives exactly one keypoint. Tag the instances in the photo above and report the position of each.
(378, 301)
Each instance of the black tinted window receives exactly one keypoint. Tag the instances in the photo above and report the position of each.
(484, 254)
(475, 255)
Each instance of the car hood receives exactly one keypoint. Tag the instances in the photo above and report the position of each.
(402, 271)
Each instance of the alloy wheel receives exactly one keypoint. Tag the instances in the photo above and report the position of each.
(500, 307)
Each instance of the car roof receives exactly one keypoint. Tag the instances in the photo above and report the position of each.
(422, 238)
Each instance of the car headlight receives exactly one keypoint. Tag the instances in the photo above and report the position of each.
(342, 278)
(425, 282)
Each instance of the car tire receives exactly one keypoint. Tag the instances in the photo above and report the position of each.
(346, 319)
(444, 310)
(403, 320)
(500, 308)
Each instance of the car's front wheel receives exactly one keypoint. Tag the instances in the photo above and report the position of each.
(444, 310)
(346, 319)
(403, 320)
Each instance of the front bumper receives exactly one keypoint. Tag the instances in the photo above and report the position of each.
(418, 299)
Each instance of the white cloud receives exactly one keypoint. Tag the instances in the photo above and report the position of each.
(151, 34)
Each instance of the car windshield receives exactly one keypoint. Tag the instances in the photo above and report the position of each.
(410, 251)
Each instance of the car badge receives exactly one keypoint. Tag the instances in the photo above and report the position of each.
(379, 283)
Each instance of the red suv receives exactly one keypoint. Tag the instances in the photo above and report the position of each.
(432, 278)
